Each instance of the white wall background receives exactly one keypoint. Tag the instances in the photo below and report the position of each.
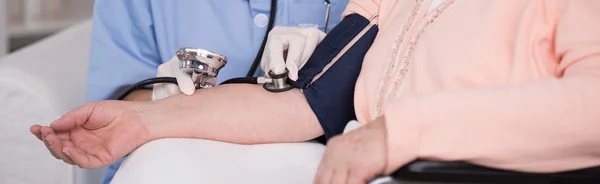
(26, 21)
(70, 12)
(3, 28)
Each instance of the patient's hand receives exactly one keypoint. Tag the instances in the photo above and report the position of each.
(355, 157)
(94, 135)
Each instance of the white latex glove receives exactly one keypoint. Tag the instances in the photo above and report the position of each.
(298, 42)
(171, 69)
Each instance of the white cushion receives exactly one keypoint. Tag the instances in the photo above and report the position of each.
(38, 84)
(191, 161)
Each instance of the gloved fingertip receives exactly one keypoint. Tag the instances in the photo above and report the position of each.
(278, 68)
(293, 73)
(293, 77)
(186, 85)
(188, 91)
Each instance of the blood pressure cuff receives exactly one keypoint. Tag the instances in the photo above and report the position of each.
(331, 97)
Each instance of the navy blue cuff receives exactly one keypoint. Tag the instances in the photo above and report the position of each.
(331, 46)
(331, 97)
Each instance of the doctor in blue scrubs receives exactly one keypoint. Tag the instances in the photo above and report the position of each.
(131, 38)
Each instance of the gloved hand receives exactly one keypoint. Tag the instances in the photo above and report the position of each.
(299, 44)
(171, 69)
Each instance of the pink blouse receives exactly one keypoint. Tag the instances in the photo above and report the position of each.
(511, 84)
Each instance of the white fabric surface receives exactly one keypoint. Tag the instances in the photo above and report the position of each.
(352, 125)
(185, 161)
(24, 158)
(37, 85)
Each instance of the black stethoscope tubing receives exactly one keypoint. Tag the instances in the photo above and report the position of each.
(260, 53)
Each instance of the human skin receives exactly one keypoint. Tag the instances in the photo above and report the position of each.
(99, 133)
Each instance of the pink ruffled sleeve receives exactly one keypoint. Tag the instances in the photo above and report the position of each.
(546, 126)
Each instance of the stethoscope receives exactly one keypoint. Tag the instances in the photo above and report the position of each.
(327, 14)
(204, 66)
(272, 14)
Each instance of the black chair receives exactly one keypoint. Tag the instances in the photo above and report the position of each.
(461, 172)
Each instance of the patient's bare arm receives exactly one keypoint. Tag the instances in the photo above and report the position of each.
(244, 114)
(99, 133)
(240, 113)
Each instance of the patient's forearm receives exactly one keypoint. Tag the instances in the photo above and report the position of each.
(237, 113)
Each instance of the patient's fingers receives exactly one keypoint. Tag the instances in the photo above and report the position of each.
(81, 159)
(57, 145)
(339, 176)
(74, 118)
(64, 136)
(48, 144)
(54, 144)
(354, 180)
(325, 177)
(57, 148)
(68, 160)
(51, 140)
(37, 131)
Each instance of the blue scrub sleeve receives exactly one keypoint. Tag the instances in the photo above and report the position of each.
(123, 47)
(331, 97)
(123, 51)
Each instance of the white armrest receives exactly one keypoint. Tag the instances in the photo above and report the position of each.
(54, 68)
(185, 161)
(38, 84)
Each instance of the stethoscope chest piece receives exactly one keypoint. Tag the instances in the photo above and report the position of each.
(203, 65)
(279, 82)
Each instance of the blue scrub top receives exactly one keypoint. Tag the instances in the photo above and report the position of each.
(131, 38)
